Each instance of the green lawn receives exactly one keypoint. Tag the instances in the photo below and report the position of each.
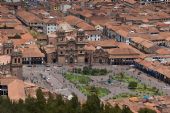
(82, 83)
(102, 91)
(91, 71)
(88, 90)
(77, 78)
(124, 95)
(146, 90)
(124, 78)
(141, 89)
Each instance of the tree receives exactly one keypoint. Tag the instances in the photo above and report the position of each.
(17, 36)
(59, 100)
(40, 101)
(122, 76)
(30, 104)
(110, 109)
(144, 86)
(40, 96)
(86, 70)
(93, 90)
(126, 109)
(146, 110)
(103, 71)
(92, 105)
(117, 109)
(73, 106)
(95, 72)
(74, 102)
(57, 104)
(132, 85)
(50, 103)
(78, 70)
(4, 103)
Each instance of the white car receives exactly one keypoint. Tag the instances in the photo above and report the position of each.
(48, 69)
(47, 78)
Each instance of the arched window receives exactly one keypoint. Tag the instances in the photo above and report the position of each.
(100, 61)
(15, 60)
(7, 51)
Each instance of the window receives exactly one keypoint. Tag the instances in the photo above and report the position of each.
(81, 52)
(15, 60)
(61, 52)
(3, 90)
(7, 51)
(3, 87)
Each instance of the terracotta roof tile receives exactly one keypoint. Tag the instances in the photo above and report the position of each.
(31, 51)
(15, 88)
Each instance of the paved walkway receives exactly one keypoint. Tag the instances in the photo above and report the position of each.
(53, 80)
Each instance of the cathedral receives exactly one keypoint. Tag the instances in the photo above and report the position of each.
(70, 45)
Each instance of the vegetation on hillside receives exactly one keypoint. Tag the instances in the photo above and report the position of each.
(56, 104)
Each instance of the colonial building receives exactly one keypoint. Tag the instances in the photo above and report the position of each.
(31, 54)
(70, 45)
(16, 63)
(154, 69)
(16, 89)
(29, 19)
(50, 26)
(143, 45)
(122, 56)
(153, 1)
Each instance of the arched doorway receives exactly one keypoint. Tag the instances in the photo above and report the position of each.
(100, 61)
(54, 60)
(86, 60)
(71, 60)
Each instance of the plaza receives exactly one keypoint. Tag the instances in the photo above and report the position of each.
(53, 78)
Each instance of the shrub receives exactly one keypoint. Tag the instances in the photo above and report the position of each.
(146, 110)
(103, 71)
(132, 85)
